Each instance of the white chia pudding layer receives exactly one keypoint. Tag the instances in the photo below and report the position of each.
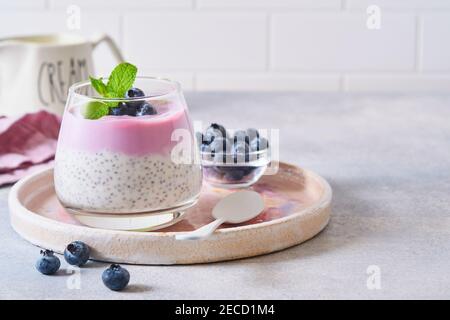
(115, 182)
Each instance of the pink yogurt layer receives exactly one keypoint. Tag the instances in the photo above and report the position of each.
(136, 136)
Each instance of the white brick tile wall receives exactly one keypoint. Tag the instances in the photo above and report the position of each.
(435, 42)
(196, 41)
(45, 22)
(307, 45)
(267, 81)
(186, 79)
(22, 4)
(342, 42)
(271, 4)
(122, 5)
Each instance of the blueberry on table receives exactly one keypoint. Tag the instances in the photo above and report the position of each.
(146, 109)
(48, 263)
(77, 253)
(214, 131)
(135, 93)
(115, 277)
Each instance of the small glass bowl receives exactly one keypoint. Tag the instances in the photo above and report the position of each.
(229, 172)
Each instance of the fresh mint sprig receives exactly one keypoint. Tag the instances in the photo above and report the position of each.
(119, 82)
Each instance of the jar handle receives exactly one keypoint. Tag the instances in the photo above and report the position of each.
(111, 44)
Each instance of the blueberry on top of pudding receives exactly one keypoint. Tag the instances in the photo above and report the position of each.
(134, 93)
(146, 109)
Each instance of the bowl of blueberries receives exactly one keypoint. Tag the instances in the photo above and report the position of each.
(232, 159)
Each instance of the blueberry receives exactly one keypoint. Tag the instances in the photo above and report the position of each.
(206, 151)
(115, 111)
(240, 135)
(220, 128)
(77, 253)
(145, 110)
(240, 151)
(205, 148)
(219, 157)
(220, 144)
(234, 175)
(48, 263)
(134, 93)
(115, 277)
(123, 109)
(259, 143)
(252, 133)
(248, 169)
(214, 131)
(220, 170)
(120, 110)
(131, 110)
(221, 149)
(199, 139)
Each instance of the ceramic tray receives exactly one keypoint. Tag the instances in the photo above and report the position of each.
(297, 208)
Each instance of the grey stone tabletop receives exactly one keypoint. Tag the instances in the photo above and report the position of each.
(387, 158)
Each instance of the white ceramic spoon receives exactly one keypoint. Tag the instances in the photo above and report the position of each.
(237, 207)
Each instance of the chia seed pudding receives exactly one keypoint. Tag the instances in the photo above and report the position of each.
(116, 182)
(124, 164)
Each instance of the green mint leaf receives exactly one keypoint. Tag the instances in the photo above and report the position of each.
(110, 95)
(121, 79)
(119, 82)
(95, 110)
(98, 85)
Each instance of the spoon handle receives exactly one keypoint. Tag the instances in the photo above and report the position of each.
(202, 232)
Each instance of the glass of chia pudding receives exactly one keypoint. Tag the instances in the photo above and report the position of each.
(134, 154)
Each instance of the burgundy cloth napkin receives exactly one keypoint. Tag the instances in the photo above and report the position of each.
(27, 144)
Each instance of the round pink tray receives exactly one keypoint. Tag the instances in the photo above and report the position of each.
(297, 208)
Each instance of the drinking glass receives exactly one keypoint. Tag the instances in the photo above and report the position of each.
(128, 165)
